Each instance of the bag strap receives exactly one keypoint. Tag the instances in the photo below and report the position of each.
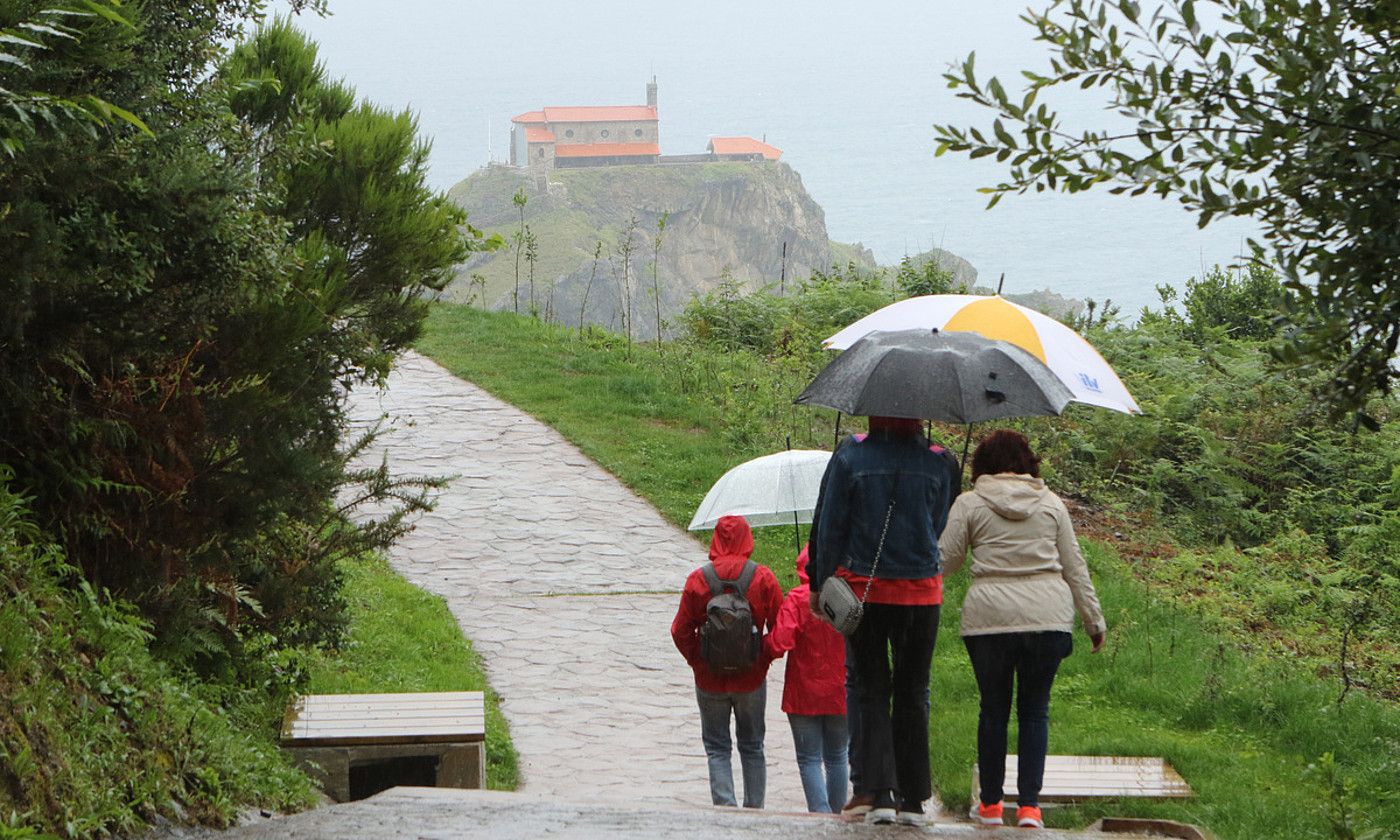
(718, 584)
(712, 579)
(880, 549)
(746, 578)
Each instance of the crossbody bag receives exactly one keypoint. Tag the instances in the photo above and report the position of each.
(838, 602)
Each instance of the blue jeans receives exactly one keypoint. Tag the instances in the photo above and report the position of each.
(747, 709)
(1030, 660)
(821, 744)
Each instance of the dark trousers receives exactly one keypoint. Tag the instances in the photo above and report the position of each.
(893, 702)
(1030, 660)
(853, 722)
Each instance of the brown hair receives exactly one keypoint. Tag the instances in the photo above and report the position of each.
(1004, 451)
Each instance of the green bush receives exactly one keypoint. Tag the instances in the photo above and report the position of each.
(187, 307)
(96, 736)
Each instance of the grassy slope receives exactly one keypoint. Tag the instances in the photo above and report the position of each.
(1242, 732)
(593, 204)
(404, 639)
(568, 229)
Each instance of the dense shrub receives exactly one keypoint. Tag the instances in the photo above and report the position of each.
(186, 309)
(96, 736)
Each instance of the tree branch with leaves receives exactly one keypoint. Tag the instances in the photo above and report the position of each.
(1285, 112)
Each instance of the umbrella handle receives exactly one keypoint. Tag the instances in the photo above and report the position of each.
(962, 465)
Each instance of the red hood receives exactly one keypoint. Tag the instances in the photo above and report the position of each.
(732, 538)
(802, 564)
(899, 426)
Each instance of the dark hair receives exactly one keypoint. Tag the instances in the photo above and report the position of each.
(1004, 451)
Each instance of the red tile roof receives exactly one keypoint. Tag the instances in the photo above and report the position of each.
(596, 113)
(743, 146)
(576, 150)
(535, 134)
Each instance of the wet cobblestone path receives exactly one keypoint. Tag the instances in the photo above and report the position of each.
(566, 582)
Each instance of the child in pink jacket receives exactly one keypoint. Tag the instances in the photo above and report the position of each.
(814, 695)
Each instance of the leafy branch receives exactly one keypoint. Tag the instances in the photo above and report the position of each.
(1285, 113)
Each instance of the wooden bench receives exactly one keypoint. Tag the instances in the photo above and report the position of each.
(359, 744)
(1069, 778)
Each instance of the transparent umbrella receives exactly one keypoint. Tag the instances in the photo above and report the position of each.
(777, 489)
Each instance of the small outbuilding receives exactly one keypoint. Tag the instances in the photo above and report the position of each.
(742, 148)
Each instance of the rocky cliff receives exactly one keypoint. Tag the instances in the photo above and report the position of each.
(723, 220)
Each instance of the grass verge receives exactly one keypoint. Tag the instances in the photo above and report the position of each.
(404, 639)
(1252, 735)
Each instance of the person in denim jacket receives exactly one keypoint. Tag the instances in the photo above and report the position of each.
(891, 473)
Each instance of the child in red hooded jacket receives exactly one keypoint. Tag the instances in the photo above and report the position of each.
(722, 695)
(814, 695)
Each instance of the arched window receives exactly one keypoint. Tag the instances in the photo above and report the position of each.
(541, 152)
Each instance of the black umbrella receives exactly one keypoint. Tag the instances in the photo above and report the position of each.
(957, 377)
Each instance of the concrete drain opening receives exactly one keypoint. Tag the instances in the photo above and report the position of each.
(370, 777)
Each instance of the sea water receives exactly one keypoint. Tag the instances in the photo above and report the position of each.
(849, 92)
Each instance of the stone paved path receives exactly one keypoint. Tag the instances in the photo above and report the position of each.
(445, 814)
(541, 555)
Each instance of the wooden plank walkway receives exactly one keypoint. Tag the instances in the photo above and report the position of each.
(1073, 777)
(326, 720)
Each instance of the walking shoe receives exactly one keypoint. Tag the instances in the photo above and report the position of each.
(986, 814)
(1028, 816)
(882, 811)
(859, 805)
(910, 813)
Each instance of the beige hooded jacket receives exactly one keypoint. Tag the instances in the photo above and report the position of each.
(1027, 572)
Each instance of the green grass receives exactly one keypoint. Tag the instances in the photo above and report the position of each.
(1243, 729)
(404, 639)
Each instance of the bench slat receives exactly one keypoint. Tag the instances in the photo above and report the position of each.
(409, 718)
(385, 740)
(466, 724)
(401, 697)
(388, 714)
(392, 707)
(1079, 777)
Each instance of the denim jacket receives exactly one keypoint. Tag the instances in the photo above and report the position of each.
(855, 495)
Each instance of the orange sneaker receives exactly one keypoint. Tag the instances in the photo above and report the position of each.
(986, 814)
(1029, 817)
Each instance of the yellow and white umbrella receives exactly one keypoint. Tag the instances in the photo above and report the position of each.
(1074, 360)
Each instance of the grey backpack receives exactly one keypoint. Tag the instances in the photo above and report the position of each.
(729, 640)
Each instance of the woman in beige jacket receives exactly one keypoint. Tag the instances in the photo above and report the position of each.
(1028, 581)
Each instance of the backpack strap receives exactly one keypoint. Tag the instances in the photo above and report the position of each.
(746, 578)
(740, 584)
(712, 579)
